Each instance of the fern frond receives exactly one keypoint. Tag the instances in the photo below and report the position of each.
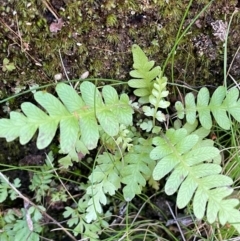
(105, 178)
(156, 98)
(77, 219)
(77, 116)
(222, 104)
(191, 170)
(143, 74)
(159, 92)
(40, 181)
(137, 169)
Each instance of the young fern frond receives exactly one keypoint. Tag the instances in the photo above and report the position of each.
(77, 221)
(156, 98)
(193, 174)
(143, 74)
(222, 104)
(150, 86)
(78, 117)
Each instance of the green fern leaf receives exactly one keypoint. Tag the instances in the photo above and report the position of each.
(203, 110)
(143, 74)
(221, 102)
(76, 217)
(110, 114)
(70, 98)
(89, 130)
(77, 117)
(159, 92)
(218, 109)
(191, 107)
(104, 179)
(6, 191)
(191, 170)
(137, 170)
(232, 103)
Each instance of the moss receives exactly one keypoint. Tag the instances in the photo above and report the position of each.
(97, 36)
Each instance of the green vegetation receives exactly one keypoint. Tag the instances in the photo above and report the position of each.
(106, 159)
(129, 159)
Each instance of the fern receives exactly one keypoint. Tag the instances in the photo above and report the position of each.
(180, 154)
(185, 155)
(78, 117)
(137, 170)
(6, 190)
(222, 104)
(156, 98)
(151, 88)
(144, 74)
(16, 225)
(77, 220)
(41, 180)
(105, 178)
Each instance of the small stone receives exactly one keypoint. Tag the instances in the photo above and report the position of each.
(58, 77)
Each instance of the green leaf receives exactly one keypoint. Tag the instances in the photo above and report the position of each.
(188, 163)
(50, 103)
(143, 74)
(180, 109)
(222, 101)
(3, 193)
(69, 133)
(79, 119)
(204, 112)
(137, 170)
(69, 97)
(47, 127)
(7, 65)
(219, 109)
(91, 95)
(90, 131)
(104, 179)
(108, 122)
(10, 129)
(191, 108)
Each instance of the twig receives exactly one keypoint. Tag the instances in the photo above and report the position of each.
(50, 8)
(174, 217)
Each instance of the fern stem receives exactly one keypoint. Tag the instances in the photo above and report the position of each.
(174, 217)
(117, 82)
